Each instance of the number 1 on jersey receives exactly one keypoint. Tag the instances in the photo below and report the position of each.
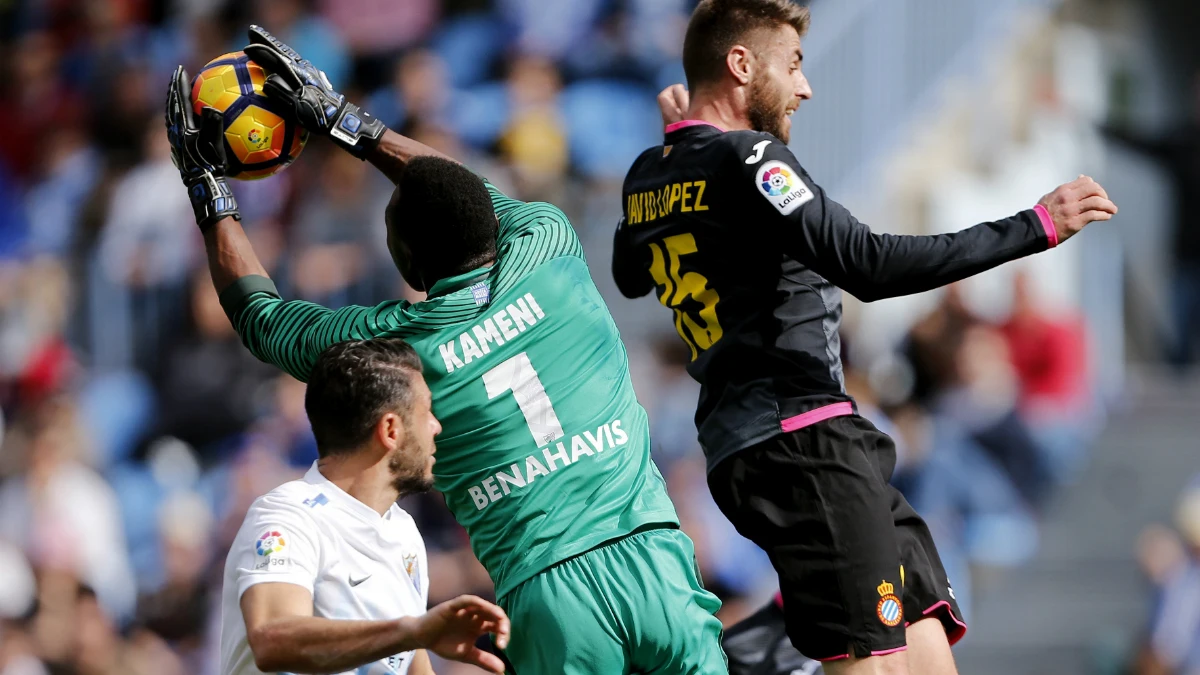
(517, 375)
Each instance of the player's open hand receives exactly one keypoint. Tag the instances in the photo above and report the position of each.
(306, 91)
(198, 151)
(673, 103)
(451, 628)
(1074, 205)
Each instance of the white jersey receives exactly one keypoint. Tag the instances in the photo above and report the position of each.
(356, 563)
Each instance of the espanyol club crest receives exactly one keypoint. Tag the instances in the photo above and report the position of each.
(889, 609)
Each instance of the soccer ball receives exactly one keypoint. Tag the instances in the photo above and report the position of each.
(259, 140)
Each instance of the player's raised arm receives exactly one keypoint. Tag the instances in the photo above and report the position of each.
(307, 92)
(287, 334)
(822, 234)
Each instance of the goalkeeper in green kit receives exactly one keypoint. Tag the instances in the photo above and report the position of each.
(544, 456)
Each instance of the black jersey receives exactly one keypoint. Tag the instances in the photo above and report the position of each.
(749, 252)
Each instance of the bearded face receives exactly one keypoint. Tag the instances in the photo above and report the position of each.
(411, 464)
(768, 107)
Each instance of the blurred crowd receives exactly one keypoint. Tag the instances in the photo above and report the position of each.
(136, 429)
(1170, 559)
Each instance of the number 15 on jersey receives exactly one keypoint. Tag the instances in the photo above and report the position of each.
(700, 330)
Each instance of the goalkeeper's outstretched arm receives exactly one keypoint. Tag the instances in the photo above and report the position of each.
(287, 334)
(230, 255)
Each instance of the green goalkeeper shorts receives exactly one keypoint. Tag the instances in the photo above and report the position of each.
(635, 605)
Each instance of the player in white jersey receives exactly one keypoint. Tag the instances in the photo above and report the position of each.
(327, 574)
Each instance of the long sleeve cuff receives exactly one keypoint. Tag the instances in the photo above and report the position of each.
(1047, 225)
(235, 297)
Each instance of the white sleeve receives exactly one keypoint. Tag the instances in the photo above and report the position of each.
(276, 543)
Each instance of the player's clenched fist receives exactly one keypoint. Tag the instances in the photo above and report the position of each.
(673, 103)
(451, 628)
(1074, 205)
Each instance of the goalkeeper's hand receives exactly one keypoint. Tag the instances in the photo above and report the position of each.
(298, 84)
(198, 151)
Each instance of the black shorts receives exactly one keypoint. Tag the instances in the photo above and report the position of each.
(856, 563)
(759, 645)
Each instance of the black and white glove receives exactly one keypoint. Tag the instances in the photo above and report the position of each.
(198, 151)
(298, 84)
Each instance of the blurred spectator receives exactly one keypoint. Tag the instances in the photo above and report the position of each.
(209, 386)
(418, 92)
(61, 512)
(1175, 627)
(339, 239)
(35, 360)
(534, 140)
(149, 242)
(964, 374)
(1050, 357)
(68, 173)
(372, 27)
(177, 611)
(1179, 153)
(550, 29)
(1049, 354)
(309, 34)
(34, 100)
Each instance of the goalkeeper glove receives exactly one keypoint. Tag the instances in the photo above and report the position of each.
(306, 91)
(198, 151)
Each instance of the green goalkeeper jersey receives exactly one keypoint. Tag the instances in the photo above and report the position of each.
(545, 451)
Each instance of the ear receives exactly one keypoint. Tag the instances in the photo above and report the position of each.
(390, 431)
(740, 62)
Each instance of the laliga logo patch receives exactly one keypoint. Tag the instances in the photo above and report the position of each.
(270, 542)
(782, 187)
(889, 609)
(257, 138)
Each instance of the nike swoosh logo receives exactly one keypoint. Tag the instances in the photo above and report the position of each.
(759, 148)
(354, 582)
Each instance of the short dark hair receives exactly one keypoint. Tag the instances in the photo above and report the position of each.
(717, 25)
(355, 383)
(444, 214)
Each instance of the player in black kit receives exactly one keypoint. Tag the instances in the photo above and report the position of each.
(724, 224)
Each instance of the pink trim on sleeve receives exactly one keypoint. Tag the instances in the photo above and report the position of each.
(1047, 224)
(952, 635)
(819, 415)
(883, 652)
(683, 124)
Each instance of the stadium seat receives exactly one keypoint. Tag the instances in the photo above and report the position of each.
(469, 45)
(609, 123)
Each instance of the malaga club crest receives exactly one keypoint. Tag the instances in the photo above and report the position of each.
(413, 568)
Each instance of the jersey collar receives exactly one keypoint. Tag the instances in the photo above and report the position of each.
(339, 496)
(459, 282)
(683, 124)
